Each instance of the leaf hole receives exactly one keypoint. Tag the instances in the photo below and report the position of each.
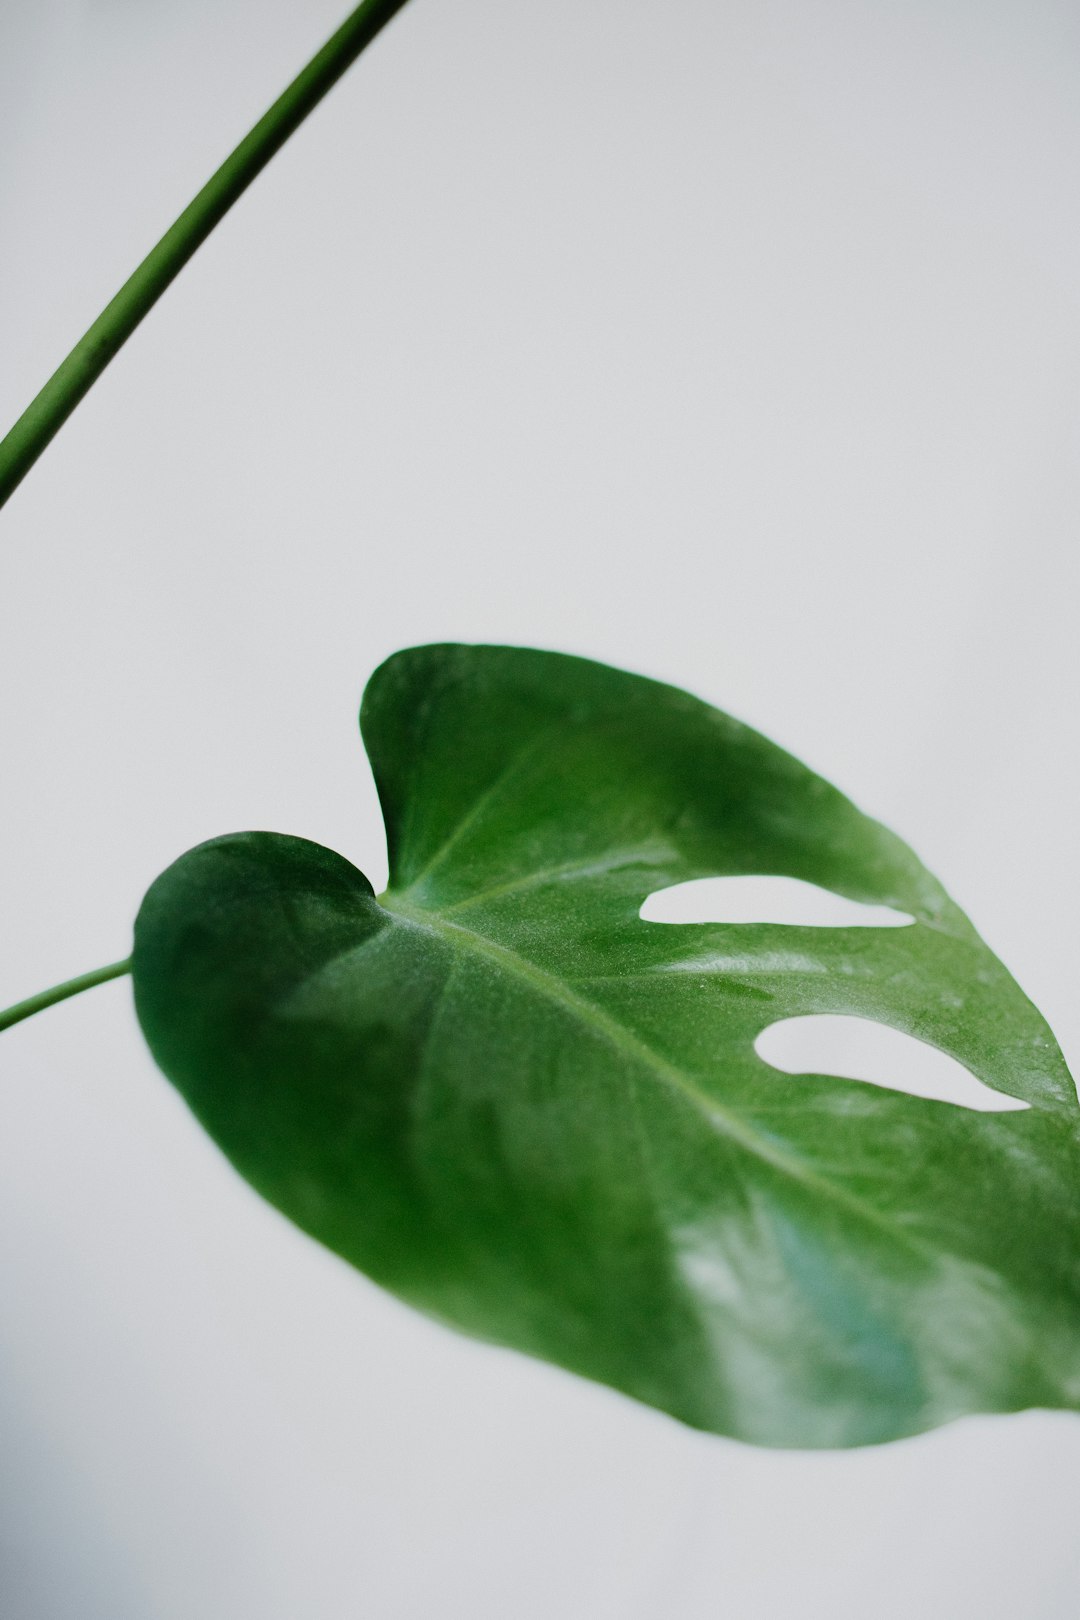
(858, 1049)
(765, 900)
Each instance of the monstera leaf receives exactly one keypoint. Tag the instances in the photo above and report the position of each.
(504, 1096)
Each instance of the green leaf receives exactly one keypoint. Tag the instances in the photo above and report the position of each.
(504, 1096)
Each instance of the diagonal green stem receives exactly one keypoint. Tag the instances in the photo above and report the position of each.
(46, 414)
(60, 992)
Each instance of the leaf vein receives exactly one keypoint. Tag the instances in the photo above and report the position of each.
(721, 1119)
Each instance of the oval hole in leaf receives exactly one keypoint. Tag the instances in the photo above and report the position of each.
(858, 1049)
(765, 900)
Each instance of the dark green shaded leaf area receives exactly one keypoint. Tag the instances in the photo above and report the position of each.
(505, 1097)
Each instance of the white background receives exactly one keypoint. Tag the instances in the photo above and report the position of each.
(735, 343)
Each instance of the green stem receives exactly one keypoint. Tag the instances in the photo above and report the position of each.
(60, 992)
(44, 417)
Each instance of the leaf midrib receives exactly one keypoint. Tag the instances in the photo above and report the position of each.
(617, 1035)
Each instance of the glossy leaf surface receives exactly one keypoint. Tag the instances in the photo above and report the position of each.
(507, 1098)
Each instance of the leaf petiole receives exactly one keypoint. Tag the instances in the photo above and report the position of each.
(50, 409)
(60, 992)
